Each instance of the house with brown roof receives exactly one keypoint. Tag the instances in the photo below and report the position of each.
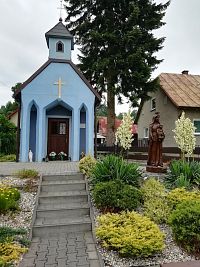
(177, 93)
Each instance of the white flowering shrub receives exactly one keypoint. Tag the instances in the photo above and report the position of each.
(184, 135)
(124, 134)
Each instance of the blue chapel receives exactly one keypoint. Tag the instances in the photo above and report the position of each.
(57, 104)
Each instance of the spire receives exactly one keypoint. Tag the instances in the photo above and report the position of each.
(61, 8)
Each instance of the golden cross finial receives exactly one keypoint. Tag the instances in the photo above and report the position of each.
(61, 8)
(59, 83)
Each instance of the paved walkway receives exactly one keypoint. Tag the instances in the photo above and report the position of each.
(52, 167)
(70, 250)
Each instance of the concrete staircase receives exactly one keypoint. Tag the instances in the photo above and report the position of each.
(62, 206)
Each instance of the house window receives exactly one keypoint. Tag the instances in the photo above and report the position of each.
(197, 125)
(153, 104)
(60, 47)
(146, 132)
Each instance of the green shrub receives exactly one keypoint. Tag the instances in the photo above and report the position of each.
(26, 173)
(116, 195)
(11, 234)
(7, 158)
(8, 198)
(155, 201)
(178, 195)
(115, 168)
(185, 224)
(86, 164)
(183, 174)
(130, 233)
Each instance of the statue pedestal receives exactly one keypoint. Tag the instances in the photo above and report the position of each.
(156, 169)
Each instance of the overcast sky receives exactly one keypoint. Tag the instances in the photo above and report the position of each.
(23, 48)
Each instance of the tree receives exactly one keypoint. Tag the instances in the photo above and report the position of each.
(7, 136)
(184, 135)
(102, 111)
(117, 47)
(10, 106)
(124, 134)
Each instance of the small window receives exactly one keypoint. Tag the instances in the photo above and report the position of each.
(146, 132)
(60, 47)
(197, 125)
(153, 104)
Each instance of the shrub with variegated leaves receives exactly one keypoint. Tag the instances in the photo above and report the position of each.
(184, 135)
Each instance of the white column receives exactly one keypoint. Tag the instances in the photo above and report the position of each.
(25, 129)
(41, 132)
(90, 131)
(75, 134)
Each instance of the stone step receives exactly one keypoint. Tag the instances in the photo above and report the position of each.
(67, 186)
(75, 176)
(63, 212)
(55, 227)
(52, 206)
(63, 182)
(63, 197)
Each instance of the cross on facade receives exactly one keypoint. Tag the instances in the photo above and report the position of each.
(61, 8)
(59, 83)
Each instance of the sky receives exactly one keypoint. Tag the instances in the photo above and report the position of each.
(23, 48)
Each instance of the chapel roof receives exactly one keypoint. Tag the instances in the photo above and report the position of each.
(59, 30)
(62, 61)
(182, 89)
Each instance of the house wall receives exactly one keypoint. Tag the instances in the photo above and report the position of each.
(168, 115)
(14, 118)
(194, 114)
(44, 94)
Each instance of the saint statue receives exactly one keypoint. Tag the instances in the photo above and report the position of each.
(30, 156)
(156, 137)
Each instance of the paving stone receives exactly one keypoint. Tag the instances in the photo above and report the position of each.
(94, 263)
(71, 264)
(52, 251)
(92, 255)
(91, 247)
(82, 261)
(35, 240)
(53, 243)
(81, 252)
(71, 257)
(28, 262)
(71, 242)
(71, 235)
(40, 263)
(62, 246)
(80, 245)
(51, 260)
(42, 248)
(30, 255)
(71, 249)
(41, 256)
(62, 262)
(62, 254)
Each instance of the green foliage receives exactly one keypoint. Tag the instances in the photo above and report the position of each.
(7, 136)
(8, 108)
(86, 165)
(26, 173)
(185, 224)
(102, 110)
(115, 168)
(11, 234)
(183, 174)
(7, 158)
(180, 195)
(114, 195)
(130, 233)
(8, 198)
(155, 201)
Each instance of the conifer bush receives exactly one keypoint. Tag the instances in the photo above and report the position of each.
(86, 165)
(114, 195)
(130, 233)
(155, 201)
(185, 224)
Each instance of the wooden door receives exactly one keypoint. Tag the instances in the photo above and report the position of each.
(58, 136)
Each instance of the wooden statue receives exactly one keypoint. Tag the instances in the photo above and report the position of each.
(156, 137)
